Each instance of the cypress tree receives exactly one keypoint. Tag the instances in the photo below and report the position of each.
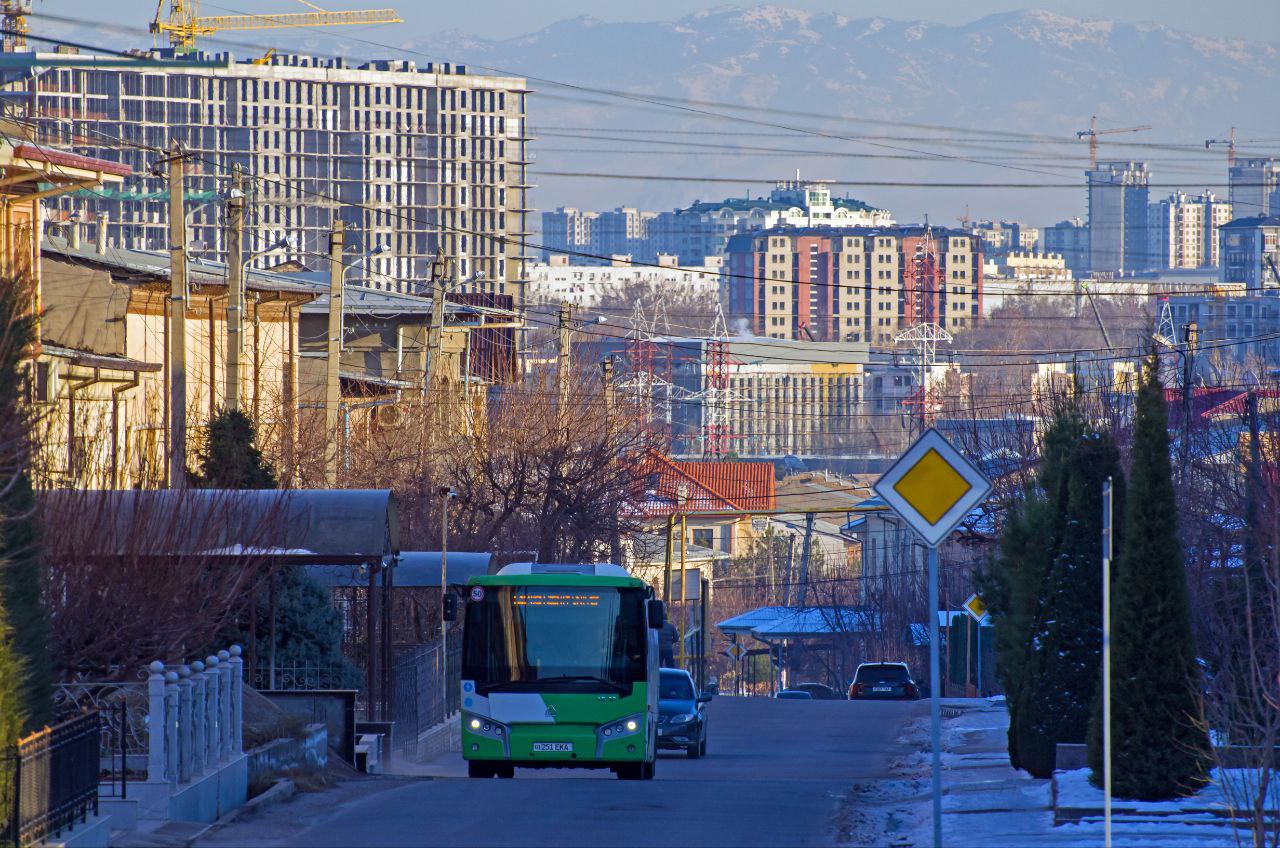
(25, 667)
(230, 459)
(1072, 631)
(1160, 750)
(26, 676)
(1017, 586)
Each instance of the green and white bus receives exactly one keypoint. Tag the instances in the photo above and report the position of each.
(560, 670)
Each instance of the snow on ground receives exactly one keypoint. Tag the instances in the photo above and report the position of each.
(987, 803)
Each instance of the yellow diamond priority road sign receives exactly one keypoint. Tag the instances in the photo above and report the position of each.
(932, 486)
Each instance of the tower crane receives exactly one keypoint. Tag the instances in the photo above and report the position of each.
(14, 25)
(1229, 141)
(1093, 132)
(183, 24)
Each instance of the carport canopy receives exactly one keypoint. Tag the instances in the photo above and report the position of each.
(412, 570)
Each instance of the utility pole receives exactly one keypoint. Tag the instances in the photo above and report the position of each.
(235, 289)
(1191, 333)
(435, 343)
(177, 321)
(805, 549)
(333, 360)
(562, 363)
(446, 492)
(606, 380)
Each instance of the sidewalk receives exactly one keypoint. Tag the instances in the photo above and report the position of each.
(986, 802)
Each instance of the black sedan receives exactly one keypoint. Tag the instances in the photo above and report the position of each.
(890, 680)
(682, 721)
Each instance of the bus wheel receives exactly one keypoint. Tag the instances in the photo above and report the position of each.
(506, 771)
(475, 769)
(630, 771)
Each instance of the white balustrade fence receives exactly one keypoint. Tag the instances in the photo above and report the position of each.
(195, 715)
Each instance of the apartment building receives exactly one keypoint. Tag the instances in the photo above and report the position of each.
(705, 227)
(1070, 240)
(1183, 230)
(414, 160)
(857, 284)
(587, 285)
(1118, 217)
(830, 399)
(1251, 322)
(1250, 251)
(568, 231)
(1255, 187)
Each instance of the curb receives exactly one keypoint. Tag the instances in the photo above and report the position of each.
(280, 791)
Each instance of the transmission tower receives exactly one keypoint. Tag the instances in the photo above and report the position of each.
(924, 338)
(715, 394)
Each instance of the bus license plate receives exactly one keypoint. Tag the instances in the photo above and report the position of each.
(559, 747)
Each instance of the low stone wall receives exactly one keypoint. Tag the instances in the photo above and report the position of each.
(431, 743)
(282, 755)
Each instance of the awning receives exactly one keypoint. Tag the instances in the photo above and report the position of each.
(331, 526)
(412, 570)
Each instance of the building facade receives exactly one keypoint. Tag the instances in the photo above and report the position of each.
(588, 285)
(1070, 240)
(1255, 187)
(705, 227)
(1118, 241)
(414, 160)
(1184, 230)
(855, 284)
(1250, 253)
(567, 231)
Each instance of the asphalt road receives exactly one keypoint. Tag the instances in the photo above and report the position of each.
(772, 776)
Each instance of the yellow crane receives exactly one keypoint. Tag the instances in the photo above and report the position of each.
(183, 23)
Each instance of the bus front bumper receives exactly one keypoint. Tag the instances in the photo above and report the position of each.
(554, 744)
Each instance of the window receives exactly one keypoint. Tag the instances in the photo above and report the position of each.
(703, 537)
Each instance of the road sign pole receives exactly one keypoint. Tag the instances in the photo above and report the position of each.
(935, 710)
(1106, 661)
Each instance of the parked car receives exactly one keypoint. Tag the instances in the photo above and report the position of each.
(794, 695)
(819, 691)
(883, 680)
(682, 719)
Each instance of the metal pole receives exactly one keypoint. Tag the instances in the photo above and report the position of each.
(444, 587)
(666, 572)
(177, 322)
(684, 606)
(935, 704)
(1106, 660)
(333, 359)
(235, 292)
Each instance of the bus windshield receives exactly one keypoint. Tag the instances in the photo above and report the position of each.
(554, 638)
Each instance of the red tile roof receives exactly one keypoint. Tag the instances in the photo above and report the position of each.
(705, 486)
(38, 153)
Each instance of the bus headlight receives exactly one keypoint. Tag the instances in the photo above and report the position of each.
(631, 725)
(475, 724)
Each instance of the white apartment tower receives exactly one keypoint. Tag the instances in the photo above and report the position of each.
(1184, 230)
(414, 160)
(1255, 188)
(1118, 217)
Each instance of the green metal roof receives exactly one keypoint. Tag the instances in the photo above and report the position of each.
(584, 580)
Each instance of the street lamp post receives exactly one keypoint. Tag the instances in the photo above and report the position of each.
(446, 492)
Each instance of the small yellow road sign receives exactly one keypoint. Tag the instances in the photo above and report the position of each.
(932, 486)
(976, 608)
(735, 651)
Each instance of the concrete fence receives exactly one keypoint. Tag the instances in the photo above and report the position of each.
(195, 763)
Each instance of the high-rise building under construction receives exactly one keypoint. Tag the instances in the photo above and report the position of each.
(414, 160)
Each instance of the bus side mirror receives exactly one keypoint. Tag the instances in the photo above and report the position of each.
(450, 607)
(657, 614)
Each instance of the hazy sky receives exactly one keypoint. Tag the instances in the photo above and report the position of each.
(1253, 19)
